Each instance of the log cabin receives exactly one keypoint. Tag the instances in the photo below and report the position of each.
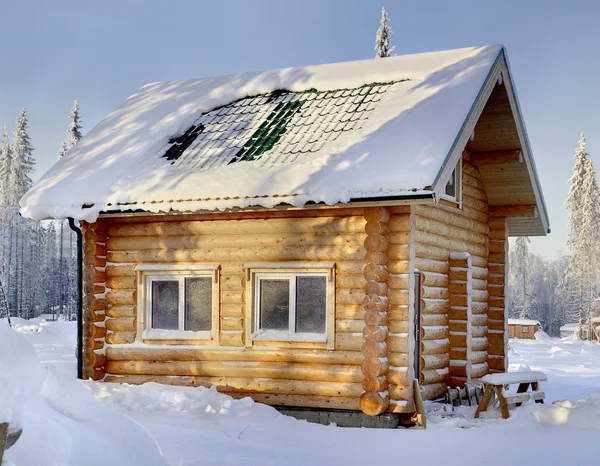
(315, 237)
(523, 329)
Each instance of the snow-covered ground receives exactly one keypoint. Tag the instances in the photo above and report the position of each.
(71, 423)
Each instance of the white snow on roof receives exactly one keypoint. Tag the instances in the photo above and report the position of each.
(523, 322)
(573, 327)
(399, 150)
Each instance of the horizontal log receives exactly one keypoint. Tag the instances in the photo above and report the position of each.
(435, 346)
(433, 391)
(398, 343)
(434, 279)
(513, 211)
(450, 216)
(479, 370)
(374, 367)
(449, 242)
(398, 281)
(120, 338)
(430, 292)
(232, 338)
(374, 403)
(353, 224)
(122, 283)
(399, 392)
(397, 266)
(478, 357)
(397, 377)
(93, 359)
(434, 361)
(398, 297)
(457, 230)
(271, 370)
(200, 241)
(398, 359)
(474, 193)
(434, 333)
(121, 297)
(374, 349)
(348, 341)
(434, 306)
(496, 158)
(229, 323)
(479, 344)
(121, 324)
(374, 384)
(431, 265)
(431, 320)
(247, 354)
(433, 376)
(374, 272)
(231, 385)
(120, 270)
(349, 296)
(317, 253)
(428, 251)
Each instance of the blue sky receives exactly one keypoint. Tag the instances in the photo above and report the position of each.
(101, 52)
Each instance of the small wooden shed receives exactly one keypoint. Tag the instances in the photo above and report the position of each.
(523, 328)
(312, 237)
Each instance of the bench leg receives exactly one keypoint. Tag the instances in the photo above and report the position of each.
(535, 387)
(3, 435)
(522, 389)
(483, 405)
(503, 403)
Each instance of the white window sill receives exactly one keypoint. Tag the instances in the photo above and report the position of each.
(272, 335)
(446, 197)
(156, 334)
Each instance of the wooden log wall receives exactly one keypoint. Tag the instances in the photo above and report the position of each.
(440, 230)
(300, 374)
(400, 284)
(375, 399)
(460, 319)
(497, 318)
(94, 302)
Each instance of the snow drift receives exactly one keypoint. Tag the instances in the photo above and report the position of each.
(63, 425)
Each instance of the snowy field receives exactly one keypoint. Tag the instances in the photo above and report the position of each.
(67, 422)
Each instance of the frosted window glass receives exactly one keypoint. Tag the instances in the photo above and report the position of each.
(198, 303)
(165, 304)
(311, 300)
(274, 304)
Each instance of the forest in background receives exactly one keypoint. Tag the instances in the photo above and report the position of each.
(37, 258)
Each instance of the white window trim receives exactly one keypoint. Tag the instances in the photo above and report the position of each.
(288, 270)
(147, 273)
(458, 181)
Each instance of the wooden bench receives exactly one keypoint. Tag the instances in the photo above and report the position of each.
(497, 383)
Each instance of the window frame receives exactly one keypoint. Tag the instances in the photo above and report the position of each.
(149, 273)
(457, 198)
(255, 272)
(525, 328)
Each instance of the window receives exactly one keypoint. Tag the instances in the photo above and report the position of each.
(290, 302)
(178, 301)
(452, 190)
(525, 329)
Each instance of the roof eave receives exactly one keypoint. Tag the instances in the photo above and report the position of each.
(499, 68)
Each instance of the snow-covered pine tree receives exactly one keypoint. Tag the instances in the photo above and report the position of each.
(74, 124)
(521, 256)
(5, 168)
(382, 39)
(64, 147)
(23, 160)
(583, 238)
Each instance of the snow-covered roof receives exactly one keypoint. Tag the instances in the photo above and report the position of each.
(523, 322)
(354, 130)
(573, 327)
